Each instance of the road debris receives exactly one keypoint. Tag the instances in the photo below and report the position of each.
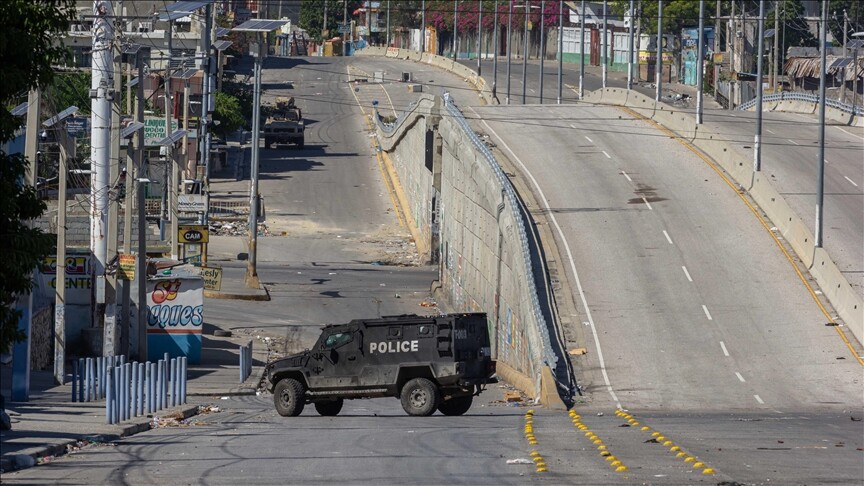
(520, 460)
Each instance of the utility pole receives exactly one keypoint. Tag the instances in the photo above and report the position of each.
(24, 304)
(423, 21)
(658, 75)
(700, 62)
(604, 44)
(823, 43)
(141, 261)
(110, 341)
(560, 48)
(760, 43)
(60, 274)
(173, 171)
(388, 23)
(102, 85)
(324, 24)
(630, 45)
(582, 54)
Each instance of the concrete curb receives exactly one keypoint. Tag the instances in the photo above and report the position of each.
(11, 462)
(260, 295)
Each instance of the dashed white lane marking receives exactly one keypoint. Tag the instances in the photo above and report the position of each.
(707, 314)
(647, 203)
(667, 237)
(850, 180)
(723, 347)
(607, 155)
(793, 141)
(848, 132)
(686, 273)
(627, 176)
(759, 399)
(769, 131)
(569, 252)
(575, 127)
(740, 378)
(586, 138)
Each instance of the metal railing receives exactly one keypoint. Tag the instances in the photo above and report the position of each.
(548, 356)
(130, 389)
(805, 97)
(245, 361)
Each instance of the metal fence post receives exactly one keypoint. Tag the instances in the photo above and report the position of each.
(115, 395)
(242, 363)
(150, 387)
(91, 381)
(133, 400)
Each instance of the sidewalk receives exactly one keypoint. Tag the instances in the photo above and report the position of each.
(50, 424)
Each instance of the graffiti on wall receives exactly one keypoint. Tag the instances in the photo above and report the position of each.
(176, 304)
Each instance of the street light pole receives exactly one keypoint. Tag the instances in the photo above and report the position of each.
(757, 142)
(495, 56)
(700, 59)
(604, 44)
(388, 23)
(525, 54)
(252, 262)
(509, 41)
(821, 163)
(455, 21)
(658, 75)
(560, 48)
(630, 45)
(542, 45)
(423, 21)
(582, 54)
(479, 35)
(346, 26)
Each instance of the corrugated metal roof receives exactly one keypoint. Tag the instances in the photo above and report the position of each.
(808, 67)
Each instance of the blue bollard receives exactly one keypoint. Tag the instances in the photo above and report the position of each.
(80, 384)
(118, 371)
(109, 415)
(242, 361)
(183, 378)
(133, 399)
(139, 406)
(175, 373)
(90, 381)
(151, 405)
(160, 372)
(74, 379)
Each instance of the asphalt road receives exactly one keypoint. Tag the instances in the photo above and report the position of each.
(776, 410)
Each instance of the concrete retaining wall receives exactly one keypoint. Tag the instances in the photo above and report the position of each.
(834, 285)
(478, 231)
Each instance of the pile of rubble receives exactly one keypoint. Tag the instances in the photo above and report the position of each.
(236, 228)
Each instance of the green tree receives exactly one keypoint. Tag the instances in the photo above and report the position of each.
(228, 113)
(36, 24)
(312, 16)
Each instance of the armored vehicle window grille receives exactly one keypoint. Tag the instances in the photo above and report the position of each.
(338, 339)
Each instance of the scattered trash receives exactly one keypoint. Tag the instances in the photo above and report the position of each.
(205, 409)
(599, 414)
(520, 460)
(855, 419)
(651, 441)
(428, 303)
(512, 396)
(225, 398)
(577, 351)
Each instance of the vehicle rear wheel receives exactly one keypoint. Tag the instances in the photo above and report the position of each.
(420, 397)
(330, 408)
(288, 397)
(456, 405)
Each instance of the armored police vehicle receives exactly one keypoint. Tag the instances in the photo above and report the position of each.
(285, 124)
(429, 363)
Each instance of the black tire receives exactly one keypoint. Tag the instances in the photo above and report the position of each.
(288, 397)
(330, 408)
(456, 405)
(420, 397)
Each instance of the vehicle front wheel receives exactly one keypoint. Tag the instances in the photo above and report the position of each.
(420, 397)
(456, 405)
(329, 408)
(289, 397)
